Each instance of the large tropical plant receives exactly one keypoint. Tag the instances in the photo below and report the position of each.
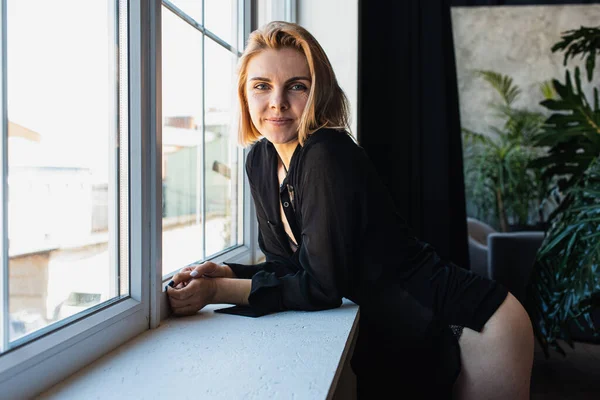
(565, 282)
(498, 180)
(572, 132)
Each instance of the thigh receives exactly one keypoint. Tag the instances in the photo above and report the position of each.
(497, 362)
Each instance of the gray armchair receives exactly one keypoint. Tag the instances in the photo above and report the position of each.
(511, 258)
(506, 257)
(478, 245)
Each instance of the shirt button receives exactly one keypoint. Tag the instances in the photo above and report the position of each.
(286, 204)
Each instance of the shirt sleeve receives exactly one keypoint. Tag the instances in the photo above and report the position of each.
(244, 271)
(329, 200)
(273, 264)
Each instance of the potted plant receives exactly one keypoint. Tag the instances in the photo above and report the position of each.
(564, 287)
(563, 295)
(501, 188)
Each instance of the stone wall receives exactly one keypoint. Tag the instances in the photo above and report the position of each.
(515, 41)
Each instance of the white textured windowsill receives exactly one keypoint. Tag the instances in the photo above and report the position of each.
(289, 355)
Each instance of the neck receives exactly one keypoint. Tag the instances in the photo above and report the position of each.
(285, 151)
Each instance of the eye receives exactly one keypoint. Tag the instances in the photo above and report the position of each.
(261, 86)
(298, 87)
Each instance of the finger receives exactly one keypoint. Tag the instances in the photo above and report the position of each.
(191, 266)
(178, 294)
(174, 285)
(216, 273)
(204, 268)
(207, 268)
(181, 277)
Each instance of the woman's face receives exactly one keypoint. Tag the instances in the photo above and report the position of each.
(277, 90)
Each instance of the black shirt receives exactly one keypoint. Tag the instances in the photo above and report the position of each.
(349, 235)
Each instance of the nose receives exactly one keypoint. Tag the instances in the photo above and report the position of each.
(278, 100)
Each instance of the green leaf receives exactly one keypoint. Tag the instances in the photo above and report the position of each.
(590, 64)
(547, 90)
(568, 86)
(503, 84)
(555, 104)
(562, 90)
(478, 138)
(572, 132)
(551, 246)
(584, 41)
(578, 81)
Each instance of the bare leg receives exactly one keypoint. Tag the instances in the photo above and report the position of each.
(497, 362)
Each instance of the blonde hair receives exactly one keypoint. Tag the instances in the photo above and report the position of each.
(327, 105)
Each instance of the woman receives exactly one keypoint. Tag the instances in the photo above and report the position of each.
(329, 230)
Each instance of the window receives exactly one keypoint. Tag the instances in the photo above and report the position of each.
(66, 165)
(118, 167)
(71, 235)
(202, 179)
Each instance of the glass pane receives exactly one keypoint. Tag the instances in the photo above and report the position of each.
(63, 182)
(221, 19)
(221, 152)
(182, 143)
(192, 8)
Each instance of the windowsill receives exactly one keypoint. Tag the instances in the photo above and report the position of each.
(291, 354)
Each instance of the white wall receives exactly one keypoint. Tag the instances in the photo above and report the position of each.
(274, 10)
(334, 23)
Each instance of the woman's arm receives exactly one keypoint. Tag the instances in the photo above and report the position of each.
(232, 291)
(194, 293)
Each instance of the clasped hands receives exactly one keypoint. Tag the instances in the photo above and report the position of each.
(195, 286)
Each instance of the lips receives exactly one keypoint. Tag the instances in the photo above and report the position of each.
(279, 121)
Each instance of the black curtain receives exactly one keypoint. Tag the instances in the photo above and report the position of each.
(408, 113)
(408, 116)
(518, 2)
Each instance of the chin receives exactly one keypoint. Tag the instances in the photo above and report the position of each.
(279, 138)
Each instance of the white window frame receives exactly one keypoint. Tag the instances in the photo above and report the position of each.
(247, 251)
(36, 366)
